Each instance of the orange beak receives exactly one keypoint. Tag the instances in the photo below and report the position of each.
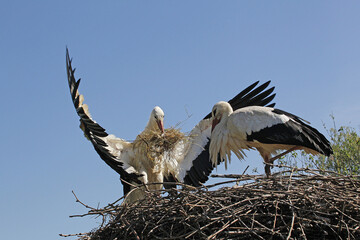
(160, 125)
(214, 123)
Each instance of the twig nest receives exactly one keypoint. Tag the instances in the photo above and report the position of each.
(307, 205)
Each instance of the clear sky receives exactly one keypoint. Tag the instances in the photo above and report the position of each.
(132, 55)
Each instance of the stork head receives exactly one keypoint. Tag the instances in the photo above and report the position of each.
(156, 121)
(221, 110)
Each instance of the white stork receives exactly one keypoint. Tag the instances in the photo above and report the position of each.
(187, 162)
(265, 128)
(118, 153)
(193, 157)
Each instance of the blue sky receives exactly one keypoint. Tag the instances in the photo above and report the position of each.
(132, 55)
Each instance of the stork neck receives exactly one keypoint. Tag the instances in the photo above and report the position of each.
(223, 120)
(226, 115)
(151, 126)
(228, 112)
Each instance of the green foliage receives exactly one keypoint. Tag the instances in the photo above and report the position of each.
(345, 142)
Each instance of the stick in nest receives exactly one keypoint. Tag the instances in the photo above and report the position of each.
(310, 209)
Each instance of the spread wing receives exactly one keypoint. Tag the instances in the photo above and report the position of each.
(196, 166)
(114, 151)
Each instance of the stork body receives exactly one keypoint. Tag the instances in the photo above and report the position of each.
(263, 128)
(193, 157)
(130, 162)
(188, 161)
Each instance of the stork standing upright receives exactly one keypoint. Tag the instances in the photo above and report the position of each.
(119, 154)
(188, 161)
(263, 128)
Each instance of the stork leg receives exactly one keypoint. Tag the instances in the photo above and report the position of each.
(271, 160)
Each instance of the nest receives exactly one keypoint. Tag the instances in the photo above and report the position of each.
(300, 204)
(157, 143)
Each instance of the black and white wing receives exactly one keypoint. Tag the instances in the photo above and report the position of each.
(196, 166)
(278, 127)
(116, 152)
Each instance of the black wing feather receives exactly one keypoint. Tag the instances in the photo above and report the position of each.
(250, 96)
(93, 130)
(295, 132)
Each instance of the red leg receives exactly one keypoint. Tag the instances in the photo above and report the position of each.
(271, 160)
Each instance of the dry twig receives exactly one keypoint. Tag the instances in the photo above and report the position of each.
(300, 204)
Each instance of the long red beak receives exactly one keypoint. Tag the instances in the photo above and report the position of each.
(161, 126)
(214, 123)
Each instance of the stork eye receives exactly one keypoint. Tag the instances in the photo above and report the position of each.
(214, 112)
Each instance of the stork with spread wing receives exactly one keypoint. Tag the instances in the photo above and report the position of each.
(186, 160)
(264, 128)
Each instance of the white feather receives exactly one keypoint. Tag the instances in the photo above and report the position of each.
(192, 148)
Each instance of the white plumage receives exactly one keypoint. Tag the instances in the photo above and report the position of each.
(187, 161)
(263, 128)
(199, 137)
